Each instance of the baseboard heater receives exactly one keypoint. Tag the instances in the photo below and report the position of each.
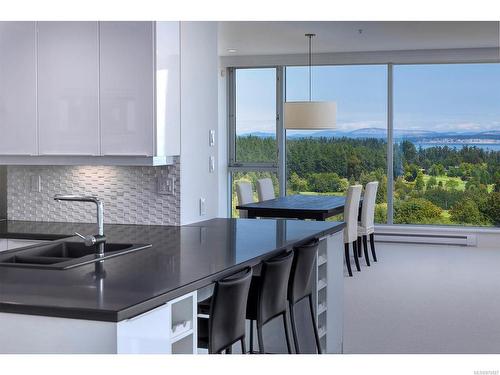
(430, 239)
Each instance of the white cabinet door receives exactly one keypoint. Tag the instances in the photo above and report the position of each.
(127, 88)
(68, 77)
(17, 88)
(168, 91)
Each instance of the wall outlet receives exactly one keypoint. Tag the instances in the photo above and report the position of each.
(211, 164)
(36, 183)
(165, 185)
(203, 207)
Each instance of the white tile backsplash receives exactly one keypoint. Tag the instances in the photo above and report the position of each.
(129, 194)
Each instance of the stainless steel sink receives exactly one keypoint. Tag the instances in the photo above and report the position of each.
(64, 255)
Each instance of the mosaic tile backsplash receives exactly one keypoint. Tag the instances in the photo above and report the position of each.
(129, 194)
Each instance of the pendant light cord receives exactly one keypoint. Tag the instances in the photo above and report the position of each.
(310, 69)
(310, 64)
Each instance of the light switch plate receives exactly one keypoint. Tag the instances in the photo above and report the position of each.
(165, 185)
(203, 207)
(211, 138)
(211, 164)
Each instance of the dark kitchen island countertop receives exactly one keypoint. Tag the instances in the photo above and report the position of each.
(182, 259)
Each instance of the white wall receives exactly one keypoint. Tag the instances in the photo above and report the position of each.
(199, 114)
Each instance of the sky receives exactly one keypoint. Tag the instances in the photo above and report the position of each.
(439, 97)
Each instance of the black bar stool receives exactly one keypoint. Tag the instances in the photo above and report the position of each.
(267, 297)
(226, 309)
(300, 287)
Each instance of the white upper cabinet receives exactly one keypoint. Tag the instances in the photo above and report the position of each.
(168, 87)
(127, 88)
(68, 78)
(89, 92)
(18, 88)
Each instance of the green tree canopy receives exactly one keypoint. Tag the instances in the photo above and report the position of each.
(466, 211)
(437, 170)
(432, 182)
(415, 211)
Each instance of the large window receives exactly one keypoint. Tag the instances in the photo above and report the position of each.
(255, 115)
(444, 130)
(253, 119)
(326, 162)
(447, 144)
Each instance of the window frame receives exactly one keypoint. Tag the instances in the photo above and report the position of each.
(238, 166)
(280, 166)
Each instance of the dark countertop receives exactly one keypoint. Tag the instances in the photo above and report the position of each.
(182, 259)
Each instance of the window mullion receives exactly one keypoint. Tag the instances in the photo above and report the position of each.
(280, 131)
(390, 145)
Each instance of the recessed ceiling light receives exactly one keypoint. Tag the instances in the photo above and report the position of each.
(232, 50)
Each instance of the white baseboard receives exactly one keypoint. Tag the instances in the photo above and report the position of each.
(422, 238)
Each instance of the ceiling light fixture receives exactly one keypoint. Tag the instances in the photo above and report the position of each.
(310, 115)
(232, 50)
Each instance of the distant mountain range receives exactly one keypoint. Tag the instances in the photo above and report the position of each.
(412, 135)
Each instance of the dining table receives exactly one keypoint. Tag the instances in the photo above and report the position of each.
(297, 206)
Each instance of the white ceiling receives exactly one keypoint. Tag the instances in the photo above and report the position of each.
(287, 37)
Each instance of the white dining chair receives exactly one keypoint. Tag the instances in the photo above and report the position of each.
(366, 226)
(244, 193)
(265, 189)
(351, 210)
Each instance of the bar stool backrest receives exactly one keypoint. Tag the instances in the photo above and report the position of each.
(300, 284)
(351, 210)
(272, 296)
(228, 310)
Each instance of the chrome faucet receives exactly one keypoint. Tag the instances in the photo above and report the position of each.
(90, 240)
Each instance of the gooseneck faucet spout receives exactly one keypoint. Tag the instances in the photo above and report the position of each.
(99, 239)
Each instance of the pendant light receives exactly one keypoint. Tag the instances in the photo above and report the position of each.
(310, 115)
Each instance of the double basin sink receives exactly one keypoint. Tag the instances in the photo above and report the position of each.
(62, 255)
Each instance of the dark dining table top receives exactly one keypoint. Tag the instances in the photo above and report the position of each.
(317, 207)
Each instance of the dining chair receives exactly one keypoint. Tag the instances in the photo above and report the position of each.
(226, 310)
(265, 189)
(244, 193)
(351, 210)
(366, 226)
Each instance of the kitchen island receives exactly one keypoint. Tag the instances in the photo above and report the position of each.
(145, 302)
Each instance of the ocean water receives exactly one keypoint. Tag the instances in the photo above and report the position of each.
(486, 147)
